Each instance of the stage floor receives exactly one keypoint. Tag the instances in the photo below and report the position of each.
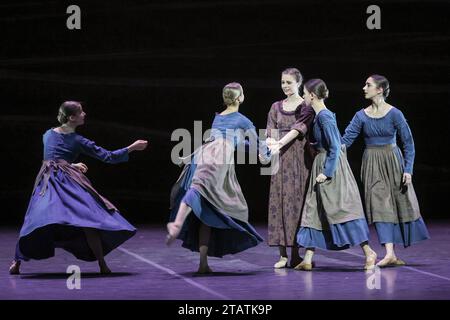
(144, 268)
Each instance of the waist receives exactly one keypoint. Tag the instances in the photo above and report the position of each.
(390, 146)
(369, 141)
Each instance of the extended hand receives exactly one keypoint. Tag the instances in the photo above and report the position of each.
(138, 145)
(271, 141)
(407, 178)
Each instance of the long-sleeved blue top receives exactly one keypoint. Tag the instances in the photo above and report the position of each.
(238, 127)
(383, 131)
(327, 136)
(69, 146)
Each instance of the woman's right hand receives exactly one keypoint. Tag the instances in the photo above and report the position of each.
(138, 145)
(80, 166)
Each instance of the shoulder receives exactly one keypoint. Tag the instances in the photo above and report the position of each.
(326, 116)
(47, 132)
(276, 106)
(304, 107)
(244, 121)
(396, 112)
(81, 139)
(397, 116)
(360, 114)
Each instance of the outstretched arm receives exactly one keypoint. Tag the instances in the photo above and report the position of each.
(299, 128)
(352, 131)
(89, 148)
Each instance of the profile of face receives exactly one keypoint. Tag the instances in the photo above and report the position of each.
(307, 96)
(78, 119)
(371, 90)
(289, 84)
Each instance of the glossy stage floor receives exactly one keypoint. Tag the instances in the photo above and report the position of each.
(144, 268)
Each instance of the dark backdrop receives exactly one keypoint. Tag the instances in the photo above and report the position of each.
(145, 68)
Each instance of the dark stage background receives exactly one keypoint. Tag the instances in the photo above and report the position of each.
(145, 68)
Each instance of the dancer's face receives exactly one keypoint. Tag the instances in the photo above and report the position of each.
(371, 90)
(289, 84)
(307, 96)
(78, 119)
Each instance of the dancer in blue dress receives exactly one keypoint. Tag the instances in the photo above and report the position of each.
(390, 201)
(65, 211)
(208, 187)
(333, 216)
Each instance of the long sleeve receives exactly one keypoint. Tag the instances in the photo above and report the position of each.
(407, 141)
(304, 121)
(333, 140)
(89, 148)
(252, 141)
(352, 131)
(271, 122)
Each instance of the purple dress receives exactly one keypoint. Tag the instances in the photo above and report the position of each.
(63, 202)
(288, 185)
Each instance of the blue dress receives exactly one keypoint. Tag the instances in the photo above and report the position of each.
(63, 202)
(209, 186)
(332, 217)
(390, 205)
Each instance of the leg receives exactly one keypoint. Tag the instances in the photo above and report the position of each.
(307, 263)
(204, 235)
(390, 259)
(371, 256)
(15, 264)
(283, 258)
(174, 228)
(93, 239)
(14, 268)
(295, 257)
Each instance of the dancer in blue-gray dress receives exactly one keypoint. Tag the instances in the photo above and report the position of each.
(65, 211)
(333, 216)
(208, 187)
(390, 201)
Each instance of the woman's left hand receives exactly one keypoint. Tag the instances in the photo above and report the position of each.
(271, 141)
(321, 178)
(407, 178)
(80, 166)
(274, 148)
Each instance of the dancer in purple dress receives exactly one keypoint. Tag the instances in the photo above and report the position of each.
(65, 211)
(290, 121)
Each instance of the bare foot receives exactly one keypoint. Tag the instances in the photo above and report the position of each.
(387, 261)
(15, 267)
(173, 231)
(204, 270)
(104, 268)
(304, 266)
(370, 261)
